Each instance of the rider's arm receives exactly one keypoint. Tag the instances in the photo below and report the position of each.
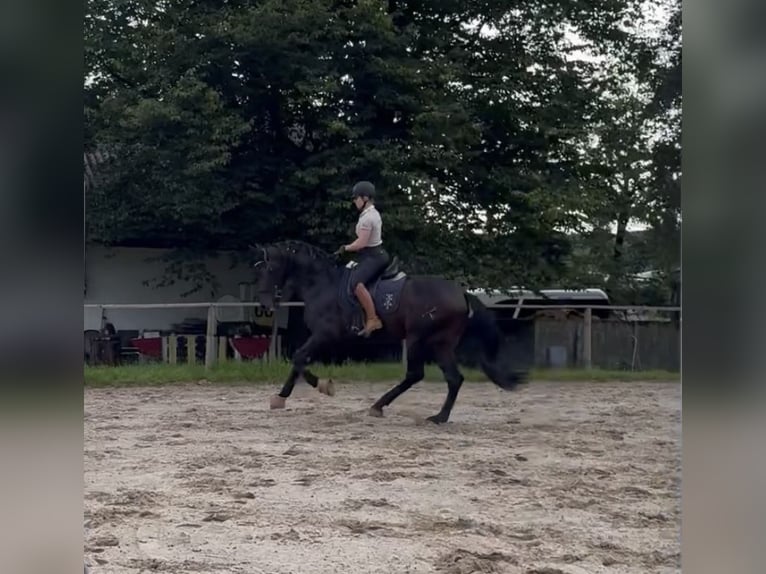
(362, 237)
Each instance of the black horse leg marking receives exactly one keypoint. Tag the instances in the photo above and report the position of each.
(454, 378)
(287, 387)
(310, 378)
(301, 359)
(415, 374)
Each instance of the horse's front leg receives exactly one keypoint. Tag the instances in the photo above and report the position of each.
(326, 386)
(301, 359)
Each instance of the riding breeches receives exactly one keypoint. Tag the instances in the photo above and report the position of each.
(371, 261)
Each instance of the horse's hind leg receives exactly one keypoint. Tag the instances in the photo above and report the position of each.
(415, 374)
(448, 364)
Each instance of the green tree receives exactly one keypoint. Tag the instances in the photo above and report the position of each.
(630, 171)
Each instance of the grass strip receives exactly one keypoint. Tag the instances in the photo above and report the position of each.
(262, 372)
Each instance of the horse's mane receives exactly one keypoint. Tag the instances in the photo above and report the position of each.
(303, 248)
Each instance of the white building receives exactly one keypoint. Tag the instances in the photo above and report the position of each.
(123, 275)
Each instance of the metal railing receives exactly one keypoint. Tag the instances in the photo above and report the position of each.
(212, 346)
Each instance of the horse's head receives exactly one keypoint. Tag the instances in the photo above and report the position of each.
(271, 266)
(283, 269)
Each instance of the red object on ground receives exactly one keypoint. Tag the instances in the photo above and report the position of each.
(251, 347)
(151, 346)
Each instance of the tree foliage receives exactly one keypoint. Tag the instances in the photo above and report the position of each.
(628, 223)
(230, 122)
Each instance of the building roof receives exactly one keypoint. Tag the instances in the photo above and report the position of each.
(496, 297)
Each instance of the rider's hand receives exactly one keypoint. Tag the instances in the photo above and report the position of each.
(341, 250)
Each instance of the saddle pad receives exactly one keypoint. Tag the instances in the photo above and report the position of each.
(386, 294)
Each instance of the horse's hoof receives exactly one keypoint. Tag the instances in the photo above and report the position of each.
(277, 402)
(436, 419)
(326, 387)
(375, 412)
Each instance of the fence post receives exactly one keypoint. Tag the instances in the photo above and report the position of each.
(173, 349)
(210, 347)
(274, 335)
(191, 349)
(223, 346)
(587, 352)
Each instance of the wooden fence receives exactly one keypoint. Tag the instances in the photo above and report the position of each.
(610, 342)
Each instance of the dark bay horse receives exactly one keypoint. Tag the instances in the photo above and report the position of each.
(430, 313)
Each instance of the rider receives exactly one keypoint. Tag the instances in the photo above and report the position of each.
(372, 258)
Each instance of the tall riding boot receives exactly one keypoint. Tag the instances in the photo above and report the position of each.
(372, 323)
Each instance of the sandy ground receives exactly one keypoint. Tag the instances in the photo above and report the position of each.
(553, 479)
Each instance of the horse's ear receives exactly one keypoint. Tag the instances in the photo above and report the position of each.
(257, 252)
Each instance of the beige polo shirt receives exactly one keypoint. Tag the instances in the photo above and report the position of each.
(370, 219)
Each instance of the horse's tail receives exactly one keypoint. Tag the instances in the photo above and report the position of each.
(483, 326)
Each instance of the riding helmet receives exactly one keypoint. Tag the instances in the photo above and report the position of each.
(363, 189)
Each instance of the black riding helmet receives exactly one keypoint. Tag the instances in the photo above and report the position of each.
(363, 189)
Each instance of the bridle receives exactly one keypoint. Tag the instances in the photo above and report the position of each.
(269, 269)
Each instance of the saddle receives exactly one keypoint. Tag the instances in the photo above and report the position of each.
(385, 290)
(391, 270)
